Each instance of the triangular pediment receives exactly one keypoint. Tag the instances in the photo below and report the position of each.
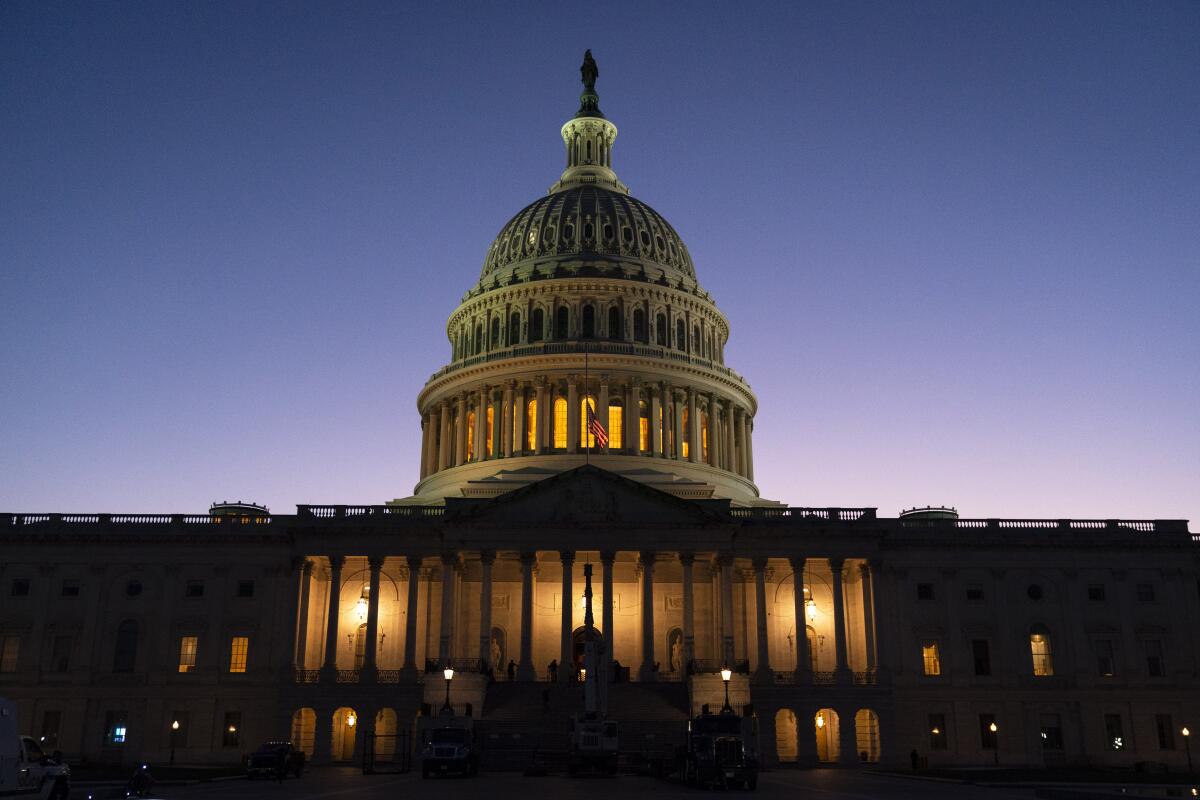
(588, 495)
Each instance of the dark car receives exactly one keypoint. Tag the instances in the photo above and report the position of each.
(273, 759)
(449, 750)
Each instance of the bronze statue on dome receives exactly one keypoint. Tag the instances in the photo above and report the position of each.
(589, 71)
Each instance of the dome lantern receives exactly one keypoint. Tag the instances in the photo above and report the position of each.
(588, 138)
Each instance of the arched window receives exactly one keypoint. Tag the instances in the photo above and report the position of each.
(589, 322)
(614, 323)
(640, 332)
(494, 342)
(866, 734)
(125, 653)
(531, 424)
(615, 418)
(478, 339)
(660, 329)
(470, 436)
(514, 329)
(684, 432)
(537, 325)
(695, 338)
(704, 437)
(560, 423)
(1039, 650)
(680, 335)
(643, 426)
(560, 323)
(586, 439)
(491, 431)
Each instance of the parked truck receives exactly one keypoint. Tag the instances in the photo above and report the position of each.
(26, 771)
(721, 750)
(448, 745)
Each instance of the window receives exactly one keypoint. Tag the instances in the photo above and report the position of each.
(1105, 662)
(125, 652)
(1166, 731)
(10, 649)
(924, 591)
(537, 325)
(614, 323)
(1052, 738)
(615, 418)
(531, 424)
(1114, 736)
(133, 588)
(643, 427)
(194, 589)
(60, 654)
(586, 438)
(560, 423)
(696, 338)
(1034, 591)
(470, 436)
(232, 730)
(589, 322)
(704, 437)
(70, 587)
(685, 426)
(187, 653)
(490, 443)
(931, 658)
(1039, 651)
(1154, 658)
(988, 732)
(680, 335)
(1145, 592)
(239, 647)
(981, 656)
(640, 332)
(115, 728)
(51, 725)
(20, 587)
(938, 740)
(514, 329)
(974, 592)
(1096, 592)
(478, 340)
(494, 340)
(245, 589)
(560, 323)
(660, 330)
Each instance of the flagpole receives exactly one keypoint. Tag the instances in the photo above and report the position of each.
(587, 417)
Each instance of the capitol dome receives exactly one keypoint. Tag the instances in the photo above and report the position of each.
(587, 339)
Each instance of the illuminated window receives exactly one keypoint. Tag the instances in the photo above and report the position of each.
(531, 424)
(10, 648)
(614, 424)
(586, 438)
(560, 423)
(643, 427)
(704, 438)
(187, 653)
(239, 647)
(115, 727)
(470, 435)
(931, 658)
(1039, 649)
(490, 429)
(684, 432)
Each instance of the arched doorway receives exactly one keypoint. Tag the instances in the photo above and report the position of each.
(786, 747)
(345, 727)
(385, 734)
(827, 729)
(579, 640)
(304, 730)
(866, 735)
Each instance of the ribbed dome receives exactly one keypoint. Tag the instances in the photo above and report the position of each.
(585, 221)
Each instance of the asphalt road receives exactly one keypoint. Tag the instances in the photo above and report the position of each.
(343, 782)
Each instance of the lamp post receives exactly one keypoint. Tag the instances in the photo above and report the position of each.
(174, 735)
(726, 674)
(995, 741)
(1187, 746)
(448, 674)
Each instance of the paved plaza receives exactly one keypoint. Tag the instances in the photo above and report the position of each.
(335, 782)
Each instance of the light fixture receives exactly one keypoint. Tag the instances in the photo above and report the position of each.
(820, 720)
(351, 720)
(726, 674)
(583, 674)
(810, 607)
(175, 725)
(1186, 732)
(448, 674)
(360, 607)
(993, 727)
(936, 731)
(233, 728)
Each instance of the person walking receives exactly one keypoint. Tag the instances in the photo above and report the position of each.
(554, 670)
(512, 670)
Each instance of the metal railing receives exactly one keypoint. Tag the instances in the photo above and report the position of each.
(830, 514)
(338, 511)
(303, 675)
(133, 519)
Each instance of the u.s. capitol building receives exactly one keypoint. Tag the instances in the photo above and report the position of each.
(852, 637)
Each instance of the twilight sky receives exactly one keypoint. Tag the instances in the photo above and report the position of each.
(958, 243)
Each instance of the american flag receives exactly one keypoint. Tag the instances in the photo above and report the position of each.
(596, 429)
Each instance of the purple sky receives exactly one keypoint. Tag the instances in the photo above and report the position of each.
(958, 243)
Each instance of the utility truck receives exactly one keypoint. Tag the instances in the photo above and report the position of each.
(448, 745)
(721, 750)
(25, 771)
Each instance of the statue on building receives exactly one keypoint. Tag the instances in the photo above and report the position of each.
(589, 71)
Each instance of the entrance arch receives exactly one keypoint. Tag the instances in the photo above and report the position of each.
(866, 735)
(345, 728)
(385, 734)
(304, 730)
(827, 729)
(786, 747)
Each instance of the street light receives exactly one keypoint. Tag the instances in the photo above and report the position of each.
(726, 674)
(1187, 746)
(448, 674)
(996, 742)
(174, 735)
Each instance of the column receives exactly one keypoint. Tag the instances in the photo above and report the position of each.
(839, 620)
(460, 434)
(525, 670)
(868, 606)
(633, 418)
(693, 432)
(434, 427)
(680, 433)
(566, 666)
(646, 560)
(410, 618)
(602, 411)
(518, 421)
(875, 648)
(729, 450)
(481, 432)
(743, 456)
(655, 419)
(298, 656)
(543, 415)
(498, 428)
(371, 651)
(447, 632)
(749, 447)
(714, 427)
(331, 629)
(725, 563)
(506, 424)
(686, 560)
(763, 671)
(424, 446)
(486, 559)
(572, 413)
(606, 614)
(803, 673)
(443, 446)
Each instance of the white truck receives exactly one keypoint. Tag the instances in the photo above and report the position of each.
(25, 771)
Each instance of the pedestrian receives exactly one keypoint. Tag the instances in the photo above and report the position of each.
(915, 758)
(512, 670)
(554, 670)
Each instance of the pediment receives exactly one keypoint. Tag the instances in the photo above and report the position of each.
(587, 495)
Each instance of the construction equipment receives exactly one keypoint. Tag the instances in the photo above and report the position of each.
(594, 739)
